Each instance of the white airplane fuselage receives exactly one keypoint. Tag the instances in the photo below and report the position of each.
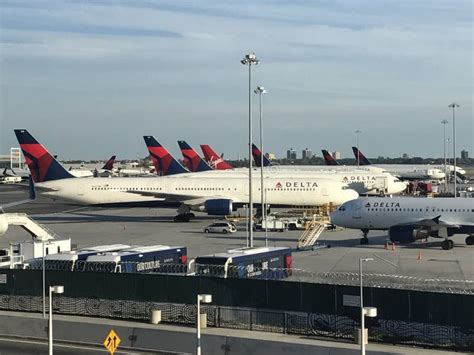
(383, 213)
(310, 191)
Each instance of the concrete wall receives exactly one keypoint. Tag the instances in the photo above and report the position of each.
(170, 339)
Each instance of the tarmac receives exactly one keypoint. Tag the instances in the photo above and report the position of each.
(89, 226)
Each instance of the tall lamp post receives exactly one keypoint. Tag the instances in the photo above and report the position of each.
(58, 290)
(444, 123)
(358, 132)
(260, 90)
(203, 299)
(453, 106)
(250, 59)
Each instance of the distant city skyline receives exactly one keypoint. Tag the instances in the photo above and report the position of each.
(90, 78)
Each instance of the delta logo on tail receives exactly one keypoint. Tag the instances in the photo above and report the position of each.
(163, 161)
(329, 159)
(360, 158)
(43, 166)
(257, 157)
(192, 160)
(110, 163)
(213, 159)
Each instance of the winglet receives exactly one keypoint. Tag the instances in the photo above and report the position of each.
(436, 219)
(31, 188)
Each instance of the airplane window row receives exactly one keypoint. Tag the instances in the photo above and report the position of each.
(417, 210)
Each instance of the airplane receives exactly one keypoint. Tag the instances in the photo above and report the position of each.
(163, 161)
(213, 159)
(192, 160)
(194, 191)
(405, 171)
(409, 218)
(364, 181)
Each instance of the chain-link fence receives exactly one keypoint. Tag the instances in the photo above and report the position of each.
(261, 271)
(297, 323)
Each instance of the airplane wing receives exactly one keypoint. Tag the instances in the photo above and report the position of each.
(433, 223)
(183, 198)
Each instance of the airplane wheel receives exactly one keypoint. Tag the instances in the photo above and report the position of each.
(364, 240)
(470, 240)
(225, 231)
(451, 244)
(445, 245)
(206, 230)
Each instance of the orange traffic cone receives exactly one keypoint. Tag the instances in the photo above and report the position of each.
(419, 257)
(385, 246)
(393, 246)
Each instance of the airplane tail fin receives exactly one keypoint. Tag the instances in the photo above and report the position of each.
(192, 160)
(43, 166)
(164, 162)
(213, 159)
(110, 163)
(329, 159)
(360, 157)
(257, 157)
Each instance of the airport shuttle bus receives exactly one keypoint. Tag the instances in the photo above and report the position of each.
(156, 258)
(73, 260)
(257, 263)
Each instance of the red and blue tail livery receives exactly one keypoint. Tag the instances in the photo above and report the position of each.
(110, 163)
(360, 157)
(163, 161)
(257, 157)
(213, 159)
(42, 165)
(192, 160)
(329, 159)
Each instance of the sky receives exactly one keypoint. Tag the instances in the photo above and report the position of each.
(89, 78)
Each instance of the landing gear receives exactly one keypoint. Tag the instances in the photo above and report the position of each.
(447, 244)
(364, 239)
(470, 240)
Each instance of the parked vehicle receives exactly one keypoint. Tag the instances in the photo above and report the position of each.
(221, 227)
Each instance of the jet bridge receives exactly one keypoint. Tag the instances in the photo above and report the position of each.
(44, 241)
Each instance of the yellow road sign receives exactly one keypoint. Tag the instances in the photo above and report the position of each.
(112, 341)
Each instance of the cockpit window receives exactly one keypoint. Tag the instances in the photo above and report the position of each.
(342, 208)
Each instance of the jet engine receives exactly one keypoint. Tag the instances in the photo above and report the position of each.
(3, 224)
(218, 207)
(407, 234)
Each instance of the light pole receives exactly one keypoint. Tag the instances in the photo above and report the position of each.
(203, 299)
(362, 313)
(357, 132)
(43, 272)
(260, 90)
(453, 106)
(444, 123)
(250, 59)
(58, 290)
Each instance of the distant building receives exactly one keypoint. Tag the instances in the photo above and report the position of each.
(336, 155)
(307, 153)
(291, 154)
(464, 154)
(405, 156)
